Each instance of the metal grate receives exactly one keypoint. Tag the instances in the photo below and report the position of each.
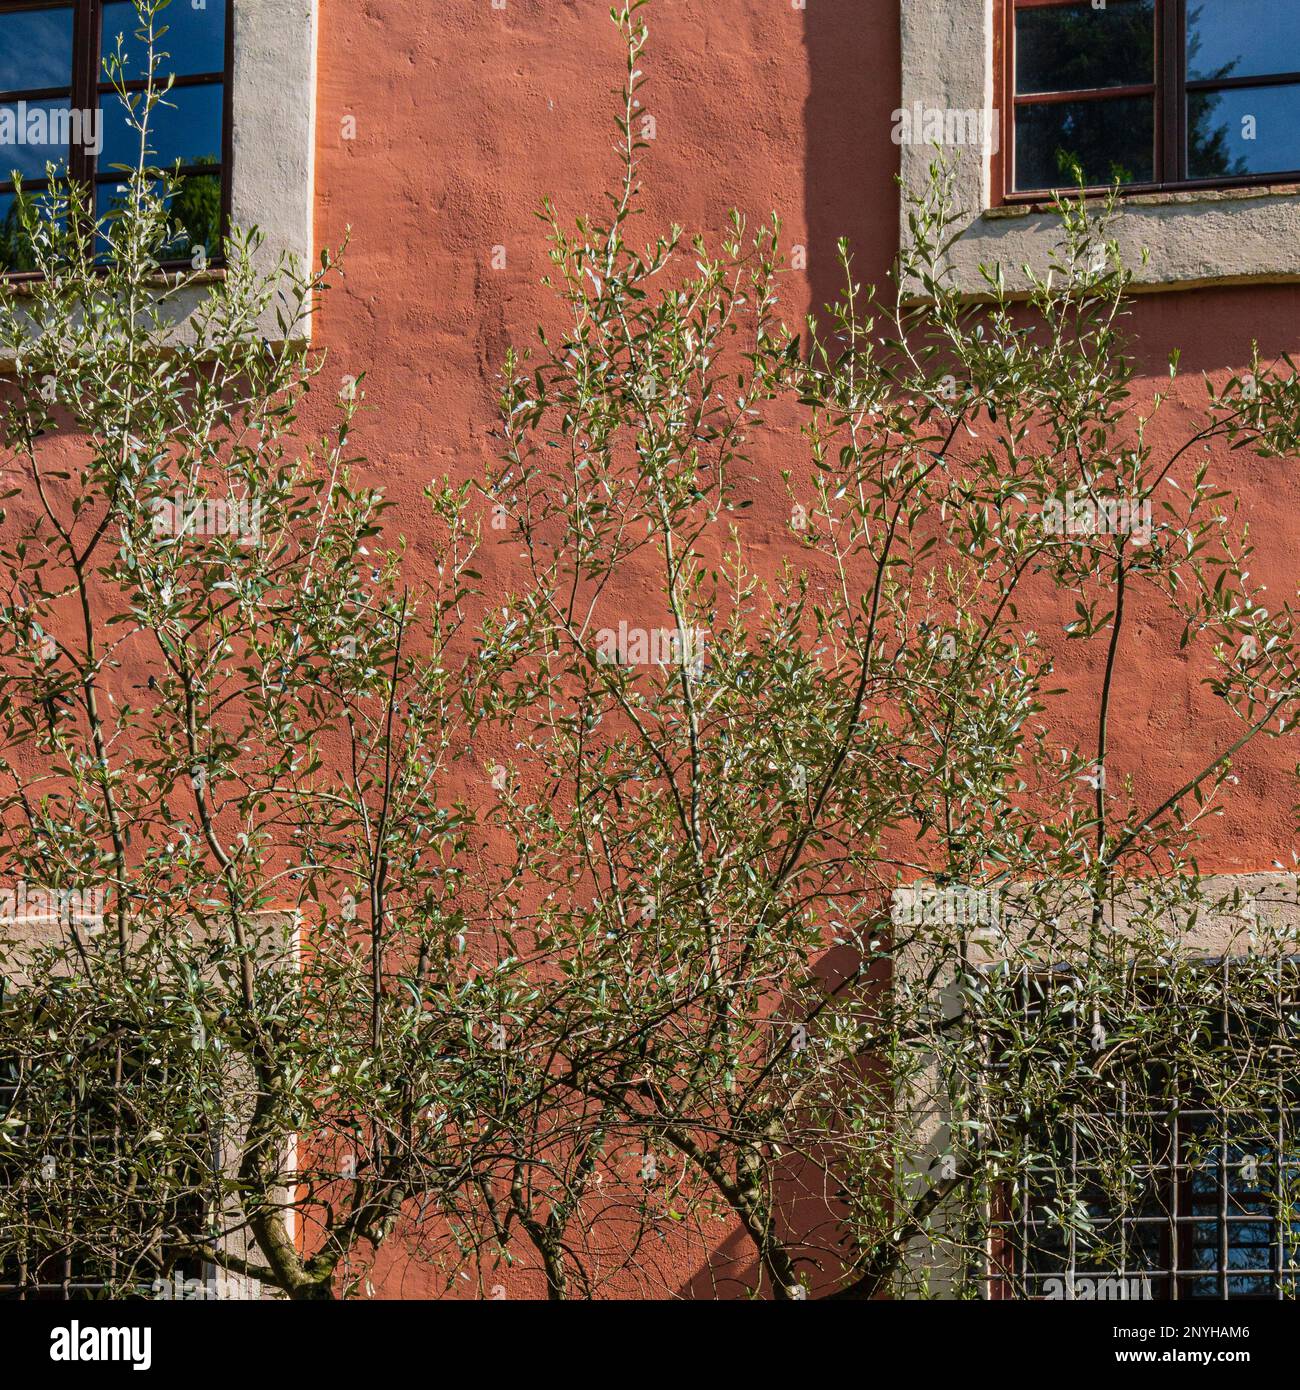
(1210, 1207)
(65, 1267)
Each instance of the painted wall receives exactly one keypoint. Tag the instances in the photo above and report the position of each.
(466, 115)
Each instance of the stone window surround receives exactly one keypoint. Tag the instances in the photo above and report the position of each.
(279, 937)
(1192, 238)
(273, 106)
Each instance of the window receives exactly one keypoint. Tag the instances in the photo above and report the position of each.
(75, 1241)
(1229, 215)
(1210, 1204)
(92, 1205)
(58, 104)
(1151, 94)
(264, 84)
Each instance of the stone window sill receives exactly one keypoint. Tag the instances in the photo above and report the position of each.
(1173, 198)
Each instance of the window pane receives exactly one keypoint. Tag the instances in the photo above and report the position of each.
(1242, 38)
(195, 214)
(195, 40)
(15, 249)
(36, 50)
(184, 125)
(1247, 130)
(1070, 48)
(32, 133)
(1108, 140)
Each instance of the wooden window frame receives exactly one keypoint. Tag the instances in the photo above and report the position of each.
(89, 88)
(1169, 88)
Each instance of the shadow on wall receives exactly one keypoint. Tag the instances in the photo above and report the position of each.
(850, 165)
(809, 1209)
(850, 190)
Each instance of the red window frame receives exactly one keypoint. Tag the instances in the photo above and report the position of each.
(1169, 88)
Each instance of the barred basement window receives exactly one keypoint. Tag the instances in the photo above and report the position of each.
(1152, 94)
(65, 1236)
(58, 105)
(1169, 1192)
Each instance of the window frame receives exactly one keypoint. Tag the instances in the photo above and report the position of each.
(942, 1252)
(280, 937)
(89, 88)
(1169, 89)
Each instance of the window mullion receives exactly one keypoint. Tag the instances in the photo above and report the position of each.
(1168, 52)
(1178, 88)
(227, 129)
(85, 58)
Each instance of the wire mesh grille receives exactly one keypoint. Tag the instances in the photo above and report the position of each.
(1162, 1194)
(131, 1249)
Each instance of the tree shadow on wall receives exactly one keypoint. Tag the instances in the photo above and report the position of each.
(855, 83)
(850, 165)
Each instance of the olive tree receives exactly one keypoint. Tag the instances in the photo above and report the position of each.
(837, 910)
(846, 906)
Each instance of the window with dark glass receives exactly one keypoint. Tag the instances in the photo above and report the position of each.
(56, 72)
(1151, 94)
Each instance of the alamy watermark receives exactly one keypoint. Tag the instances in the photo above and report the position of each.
(96, 1343)
(70, 907)
(208, 516)
(59, 127)
(932, 904)
(640, 646)
(1084, 1288)
(1082, 514)
(216, 1287)
(946, 126)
